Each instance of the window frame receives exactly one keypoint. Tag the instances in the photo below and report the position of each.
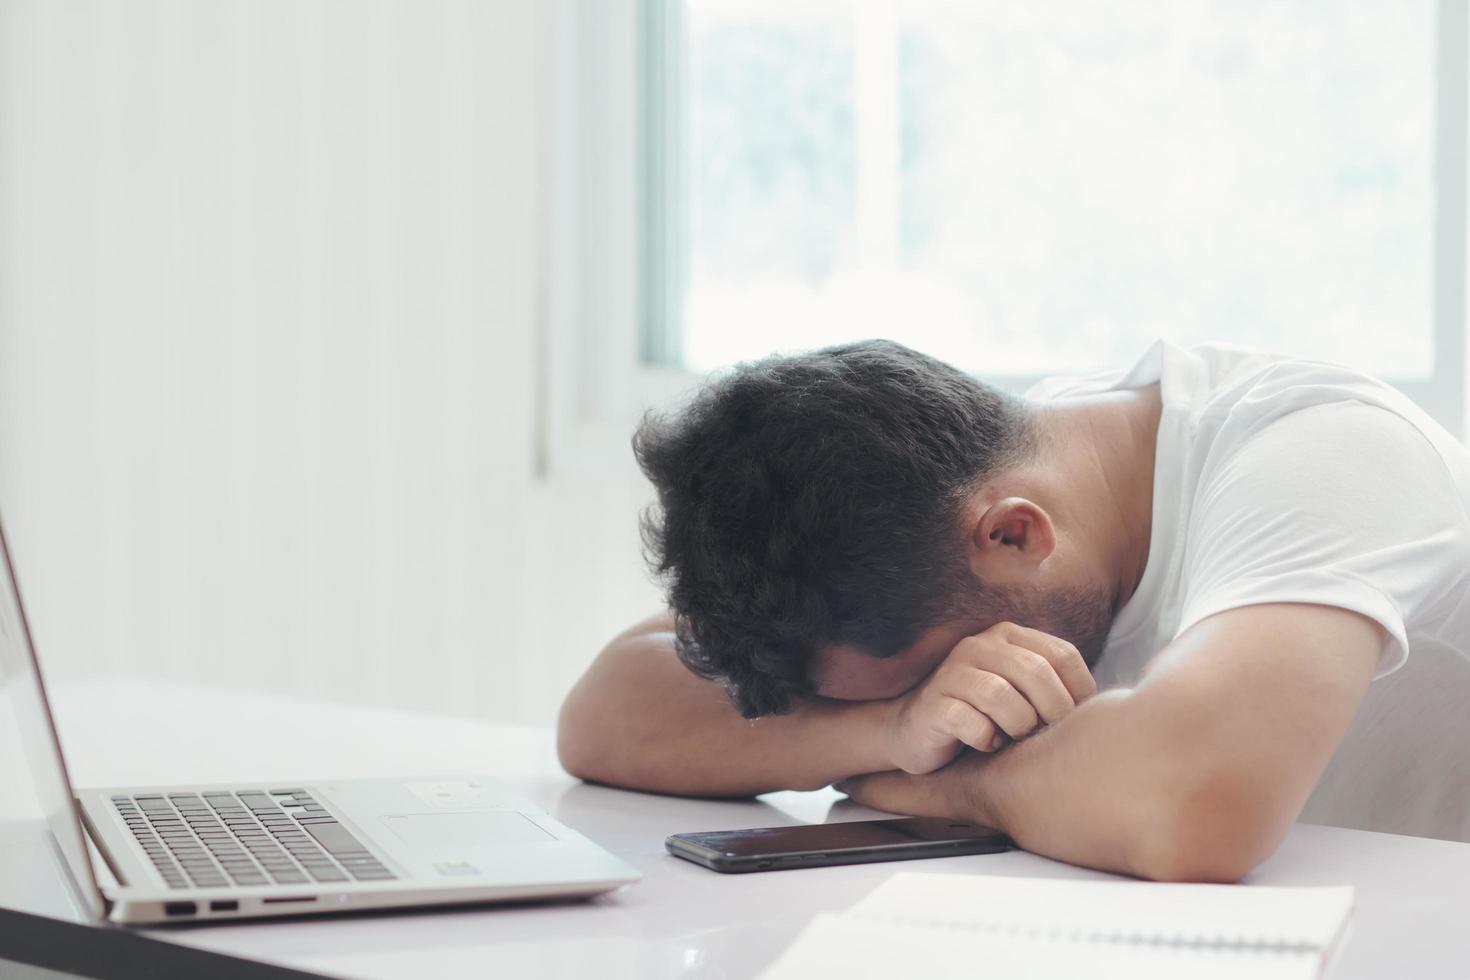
(662, 232)
(611, 156)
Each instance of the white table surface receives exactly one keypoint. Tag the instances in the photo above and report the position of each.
(1412, 915)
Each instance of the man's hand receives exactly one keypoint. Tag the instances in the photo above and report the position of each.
(1003, 683)
(954, 792)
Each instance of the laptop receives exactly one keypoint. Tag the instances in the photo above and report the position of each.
(238, 850)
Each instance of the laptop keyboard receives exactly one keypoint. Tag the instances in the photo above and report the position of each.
(251, 837)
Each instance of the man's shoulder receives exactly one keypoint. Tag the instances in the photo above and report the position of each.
(1340, 444)
(1204, 376)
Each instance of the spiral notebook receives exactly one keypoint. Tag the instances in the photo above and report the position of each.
(950, 925)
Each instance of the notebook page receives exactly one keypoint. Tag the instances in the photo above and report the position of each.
(853, 948)
(1137, 911)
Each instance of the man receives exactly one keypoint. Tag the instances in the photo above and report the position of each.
(886, 575)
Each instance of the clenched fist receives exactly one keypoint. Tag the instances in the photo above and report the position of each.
(1003, 683)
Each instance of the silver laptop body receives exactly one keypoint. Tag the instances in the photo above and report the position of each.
(245, 850)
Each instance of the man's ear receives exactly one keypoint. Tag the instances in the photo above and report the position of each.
(1009, 538)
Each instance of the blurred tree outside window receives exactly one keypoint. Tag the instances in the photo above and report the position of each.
(1028, 189)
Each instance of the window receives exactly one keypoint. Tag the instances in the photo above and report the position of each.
(1028, 189)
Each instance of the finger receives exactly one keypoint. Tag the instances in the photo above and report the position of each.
(1065, 658)
(897, 792)
(963, 722)
(992, 695)
(869, 790)
(1030, 673)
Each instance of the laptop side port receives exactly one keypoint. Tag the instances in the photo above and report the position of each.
(224, 905)
(180, 908)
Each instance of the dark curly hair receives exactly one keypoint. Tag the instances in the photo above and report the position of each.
(814, 499)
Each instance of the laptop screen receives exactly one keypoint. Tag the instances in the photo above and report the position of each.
(36, 783)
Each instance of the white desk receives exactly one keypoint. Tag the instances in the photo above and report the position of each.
(1413, 895)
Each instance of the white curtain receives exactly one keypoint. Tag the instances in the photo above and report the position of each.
(267, 355)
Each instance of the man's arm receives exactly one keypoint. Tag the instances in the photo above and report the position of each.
(640, 718)
(1195, 774)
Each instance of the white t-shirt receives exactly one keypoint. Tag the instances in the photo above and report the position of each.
(1285, 480)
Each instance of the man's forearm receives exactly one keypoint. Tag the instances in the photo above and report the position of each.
(1195, 774)
(1095, 790)
(640, 719)
(1084, 792)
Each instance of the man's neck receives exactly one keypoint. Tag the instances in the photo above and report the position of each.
(1103, 460)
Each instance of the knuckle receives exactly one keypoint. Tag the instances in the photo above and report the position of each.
(1034, 664)
(992, 686)
(966, 647)
(1069, 652)
(955, 714)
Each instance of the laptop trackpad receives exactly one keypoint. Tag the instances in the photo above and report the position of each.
(435, 832)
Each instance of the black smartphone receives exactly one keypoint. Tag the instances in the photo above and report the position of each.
(820, 845)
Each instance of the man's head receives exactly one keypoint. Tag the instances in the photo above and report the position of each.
(833, 523)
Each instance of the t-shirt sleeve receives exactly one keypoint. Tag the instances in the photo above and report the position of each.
(1344, 504)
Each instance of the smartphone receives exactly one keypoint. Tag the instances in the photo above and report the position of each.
(822, 845)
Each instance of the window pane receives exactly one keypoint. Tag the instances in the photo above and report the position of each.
(1035, 188)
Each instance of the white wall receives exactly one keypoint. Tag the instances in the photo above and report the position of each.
(268, 333)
